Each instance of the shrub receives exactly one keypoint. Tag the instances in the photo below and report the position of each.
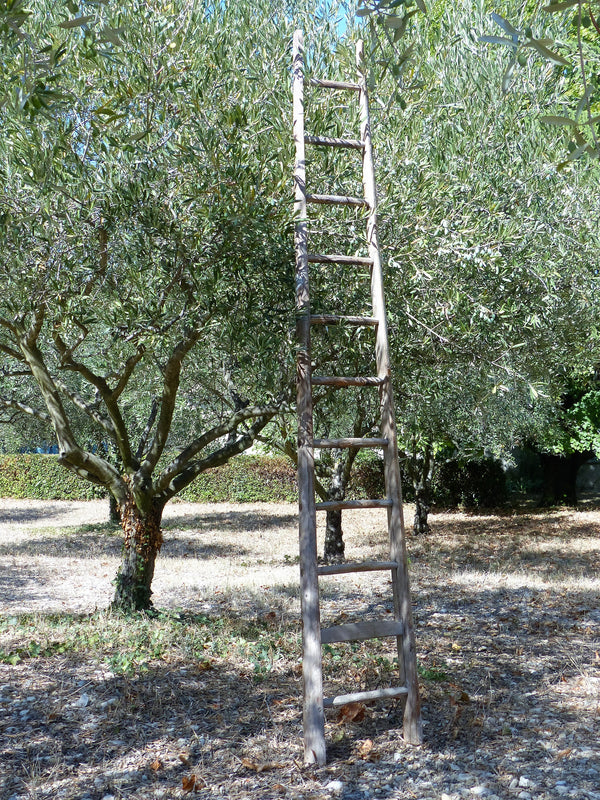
(246, 478)
(471, 484)
(41, 477)
(367, 479)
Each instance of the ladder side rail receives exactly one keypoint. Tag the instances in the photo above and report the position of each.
(313, 715)
(402, 603)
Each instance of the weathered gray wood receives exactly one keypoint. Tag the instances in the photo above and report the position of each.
(336, 319)
(341, 505)
(359, 631)
(325, 84)
(340, 381)
(336, 200)
(313, 716)
(402, 603)
(401, 626)
(329, 141)
(319, 258)
(364, 697)
(350, 442)
(350, 566)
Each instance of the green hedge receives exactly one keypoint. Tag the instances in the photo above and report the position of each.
(245, 479)
(248, 479)
(41, 477)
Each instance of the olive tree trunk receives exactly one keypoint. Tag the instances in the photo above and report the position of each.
(559, 475)
(421, 473)
(334, 547)
(142, 542)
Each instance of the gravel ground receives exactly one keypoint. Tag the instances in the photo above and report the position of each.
(508, 637)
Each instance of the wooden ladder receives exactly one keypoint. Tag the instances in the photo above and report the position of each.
(401, 626)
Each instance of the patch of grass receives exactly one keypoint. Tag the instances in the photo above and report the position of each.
(132, 644)
(435, 672)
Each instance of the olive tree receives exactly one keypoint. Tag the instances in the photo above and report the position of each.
(145, 243)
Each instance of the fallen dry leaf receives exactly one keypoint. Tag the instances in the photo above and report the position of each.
(564, 753)
(459, 696)
(184, 758)
(365, 747)
(156, 765)
(204, 666)
(190, 783)
(351, 712)
(367, 751)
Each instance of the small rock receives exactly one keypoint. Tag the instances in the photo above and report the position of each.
(479, 791)
(83, 701)
(524, 782)
(524, 796)
(336, 787)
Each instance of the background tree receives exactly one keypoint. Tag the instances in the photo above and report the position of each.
(492, 292)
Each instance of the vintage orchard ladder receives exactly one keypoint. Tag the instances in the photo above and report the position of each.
(401, 626)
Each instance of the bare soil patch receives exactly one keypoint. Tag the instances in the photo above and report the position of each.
(508, 638)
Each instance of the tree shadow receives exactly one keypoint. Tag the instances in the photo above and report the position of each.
(30, 513)
(549, 545)
(73, 543)
(233, 521)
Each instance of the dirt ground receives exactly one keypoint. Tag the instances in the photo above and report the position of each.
(508, 638)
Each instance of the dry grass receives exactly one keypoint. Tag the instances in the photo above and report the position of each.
(506, 609)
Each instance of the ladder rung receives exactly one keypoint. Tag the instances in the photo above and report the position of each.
(326, 84)
(335, 380)
(362, 566)
(364, 697)
(329, 141)
(336, 200)
(319, 258)
(350, 442)
(341, 505)
(334, 319)
(358, 631)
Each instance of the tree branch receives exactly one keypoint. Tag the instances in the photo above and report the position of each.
(4, 348)
(147, 429)
(86, 408)
(178, 464)
(112, 407)
(130, 365)
(25, 409)
(35, 328)
(221, 456)
(169, 395)
(84, 463)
